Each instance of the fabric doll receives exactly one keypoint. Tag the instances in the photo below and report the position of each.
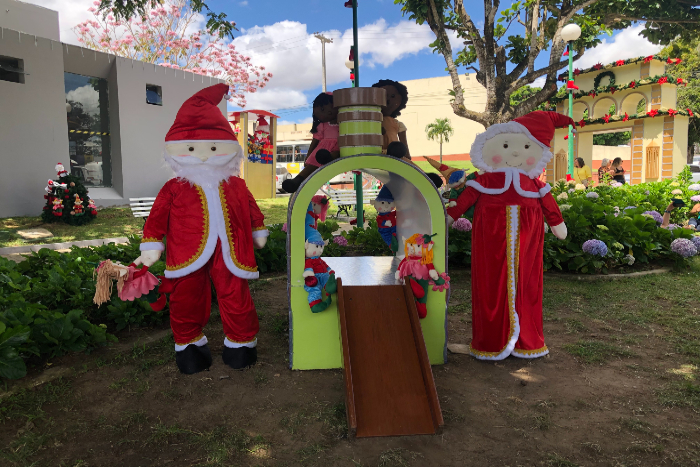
(212, 225)
(507, 235)
(319, 278)
(417, 267)
(317, 210)
(394, 132)
(324, 147)
(456, 179)
(386, 217)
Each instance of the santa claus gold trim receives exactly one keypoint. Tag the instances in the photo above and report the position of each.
(151, 240)
(192, 341)
(205, 235)
(227, 222)
(530, 352)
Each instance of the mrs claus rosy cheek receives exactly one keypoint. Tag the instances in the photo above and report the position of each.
(497, 159)
(530, 161)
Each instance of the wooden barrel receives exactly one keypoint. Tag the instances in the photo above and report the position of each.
(360, 119)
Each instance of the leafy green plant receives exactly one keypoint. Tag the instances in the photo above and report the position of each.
(369, 240)
(273, 257)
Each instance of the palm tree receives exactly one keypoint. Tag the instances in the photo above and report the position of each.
(439, 130)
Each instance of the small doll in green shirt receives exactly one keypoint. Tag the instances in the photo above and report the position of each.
(456, 182)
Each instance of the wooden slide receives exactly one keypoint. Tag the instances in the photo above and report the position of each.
(389, 386)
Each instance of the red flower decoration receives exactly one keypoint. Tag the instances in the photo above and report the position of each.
(613, 89)
(592, 94)
(672, 112)
(662, 80)
(566, 137)
(607, 118)
(619, 63)
(626, 117)
(582, 123)
(597, 66)
(690, 113)
(652, 113)
(648, 59)
(680, 81)
(669, 61)
(633, 84)
(577, 71)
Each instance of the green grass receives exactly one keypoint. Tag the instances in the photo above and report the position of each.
(426, 167)
(590, 351)
(109, 223)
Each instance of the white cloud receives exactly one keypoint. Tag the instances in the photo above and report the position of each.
(243, 3)
(271, 98)
(298, 121)
(625, 44)
(88, 97)
(539, 82)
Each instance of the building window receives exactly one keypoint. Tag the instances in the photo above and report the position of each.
(154, 94)
(12, 69)
(87, 111)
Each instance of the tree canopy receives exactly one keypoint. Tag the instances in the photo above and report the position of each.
(504, 62)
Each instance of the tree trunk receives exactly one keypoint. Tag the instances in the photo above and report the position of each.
(690, 154)
(440, 150)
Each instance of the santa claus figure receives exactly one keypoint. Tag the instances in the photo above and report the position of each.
(211, 223)
(507, 236)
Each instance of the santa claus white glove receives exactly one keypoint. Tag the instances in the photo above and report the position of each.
(259, 242)
(433, 274)
(147, 258)
(449, 221)
(559, 231)
(452, 204)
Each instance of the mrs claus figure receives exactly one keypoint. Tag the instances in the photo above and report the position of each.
(512, 205)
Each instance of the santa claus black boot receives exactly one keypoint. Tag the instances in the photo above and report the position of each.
(193, 359)
(240, 357)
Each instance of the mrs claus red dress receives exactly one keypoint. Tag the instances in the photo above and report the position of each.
(507, 244)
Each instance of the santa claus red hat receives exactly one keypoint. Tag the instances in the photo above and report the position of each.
(541, 124)
(538, 126)
(200, 119)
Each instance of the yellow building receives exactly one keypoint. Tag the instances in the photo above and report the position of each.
(428, 99)
(659, 131)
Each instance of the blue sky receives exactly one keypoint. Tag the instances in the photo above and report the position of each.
(279, 35)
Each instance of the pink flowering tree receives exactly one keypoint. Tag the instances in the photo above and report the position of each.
(166, 35)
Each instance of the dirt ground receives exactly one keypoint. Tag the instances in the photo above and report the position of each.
(618, 389)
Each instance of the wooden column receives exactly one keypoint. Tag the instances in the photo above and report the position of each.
(637, 145)
(667, 149)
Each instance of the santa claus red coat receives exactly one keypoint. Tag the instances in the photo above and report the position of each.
(507, 243)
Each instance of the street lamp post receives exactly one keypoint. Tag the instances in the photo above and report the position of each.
(570, 33)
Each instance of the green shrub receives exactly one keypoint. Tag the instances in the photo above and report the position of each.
(273, 257)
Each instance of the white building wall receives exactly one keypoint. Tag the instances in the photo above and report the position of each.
(34, 130)
(29, 19)
(33, 127)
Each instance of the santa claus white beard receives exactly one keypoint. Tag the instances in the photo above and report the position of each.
(206, 174)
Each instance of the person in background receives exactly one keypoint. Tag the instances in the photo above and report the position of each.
(582, 173)
(617, 172)
(693, 214)
(604, 170)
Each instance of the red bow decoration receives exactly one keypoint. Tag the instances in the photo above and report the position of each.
(577, 71)
(619, 63)
(592, 94)
(662, 80)
(607, 118)
(648, 59)
(566, 137)
(672, 112)
(597, 66)
(582, 123)
(677, 61)
(626, 117)
(652, 113)
(613, 89)
(690, 113)
(680, 81)
(348, 4)
(633, 84)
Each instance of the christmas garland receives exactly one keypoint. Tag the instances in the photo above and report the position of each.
(612, 88)
(671, 61)
(609, 74)
(623, 118)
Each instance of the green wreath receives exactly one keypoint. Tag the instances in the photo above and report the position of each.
(609, 74)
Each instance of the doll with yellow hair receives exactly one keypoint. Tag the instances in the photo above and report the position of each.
(417, 267)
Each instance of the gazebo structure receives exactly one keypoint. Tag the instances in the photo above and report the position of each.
(259, 174)
(608, 101)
